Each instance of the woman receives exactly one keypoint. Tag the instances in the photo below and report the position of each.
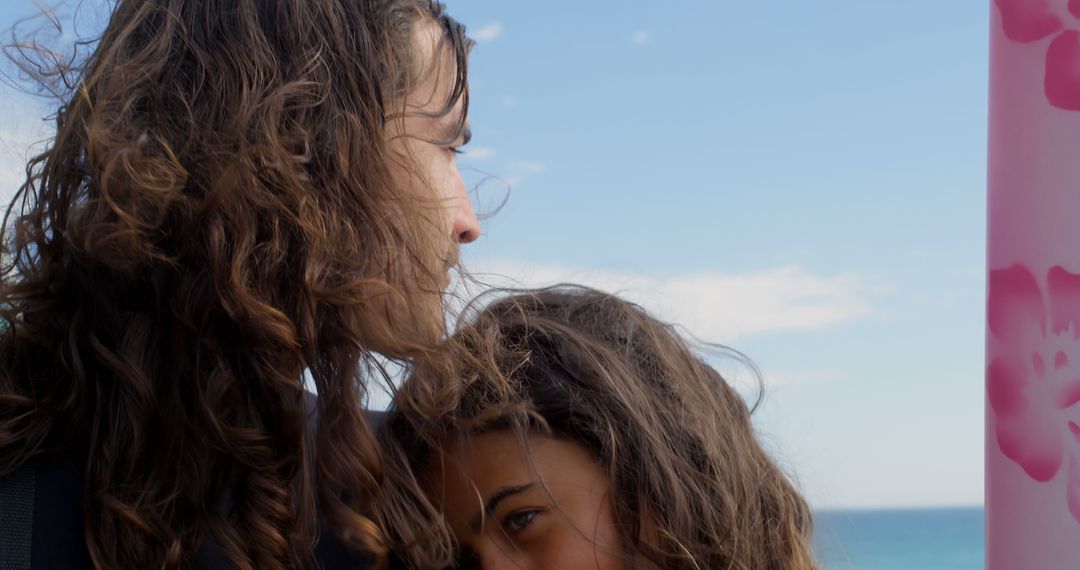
(581, 433)
(240, 193)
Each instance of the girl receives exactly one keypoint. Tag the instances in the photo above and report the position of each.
(580, 432)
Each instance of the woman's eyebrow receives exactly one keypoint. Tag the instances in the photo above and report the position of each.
(493, 503)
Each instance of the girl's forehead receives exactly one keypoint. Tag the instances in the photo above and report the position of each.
(504, 451)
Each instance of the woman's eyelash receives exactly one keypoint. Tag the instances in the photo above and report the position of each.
(456, 150)
(516, 522)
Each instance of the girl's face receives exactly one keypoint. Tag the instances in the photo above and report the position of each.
(544, 506)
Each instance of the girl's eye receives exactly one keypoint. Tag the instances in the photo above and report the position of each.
(455, 150)
(516, 522)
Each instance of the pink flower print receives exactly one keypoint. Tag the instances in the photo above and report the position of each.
(1026, 21)
(1031, 382)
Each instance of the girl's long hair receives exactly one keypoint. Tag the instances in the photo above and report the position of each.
(213, 221)
(691, 486)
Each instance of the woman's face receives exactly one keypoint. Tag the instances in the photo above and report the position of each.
(422, 143)
(543, 505)
(425, 142)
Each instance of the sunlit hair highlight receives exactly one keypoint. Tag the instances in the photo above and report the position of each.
(214, 219)
(691, 485)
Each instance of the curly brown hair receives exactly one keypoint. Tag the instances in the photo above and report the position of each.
(691, 486)
(214, 220)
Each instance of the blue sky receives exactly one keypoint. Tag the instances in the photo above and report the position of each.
(831, 155)
(802, 181)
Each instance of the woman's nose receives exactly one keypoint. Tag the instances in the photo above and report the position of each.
(466, 226)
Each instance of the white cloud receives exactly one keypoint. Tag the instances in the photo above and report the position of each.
(641, 37)
(519, 170)
(488, 33)
(787, 378)
(715, 307)
(509, 101)
(22, 135)
(742, 377)
(479, 152)
(527, 166)
(12, 169)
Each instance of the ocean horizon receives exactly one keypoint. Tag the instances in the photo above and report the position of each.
(900, 539)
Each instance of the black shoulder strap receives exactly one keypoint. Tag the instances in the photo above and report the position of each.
(16, 518)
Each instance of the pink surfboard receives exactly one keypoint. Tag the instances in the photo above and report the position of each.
(1033, 300)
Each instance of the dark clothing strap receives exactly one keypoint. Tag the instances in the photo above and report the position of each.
(16, 518)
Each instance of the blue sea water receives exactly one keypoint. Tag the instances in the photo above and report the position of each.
(917, 539)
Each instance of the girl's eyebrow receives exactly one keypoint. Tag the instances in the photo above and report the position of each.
(493, 503)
